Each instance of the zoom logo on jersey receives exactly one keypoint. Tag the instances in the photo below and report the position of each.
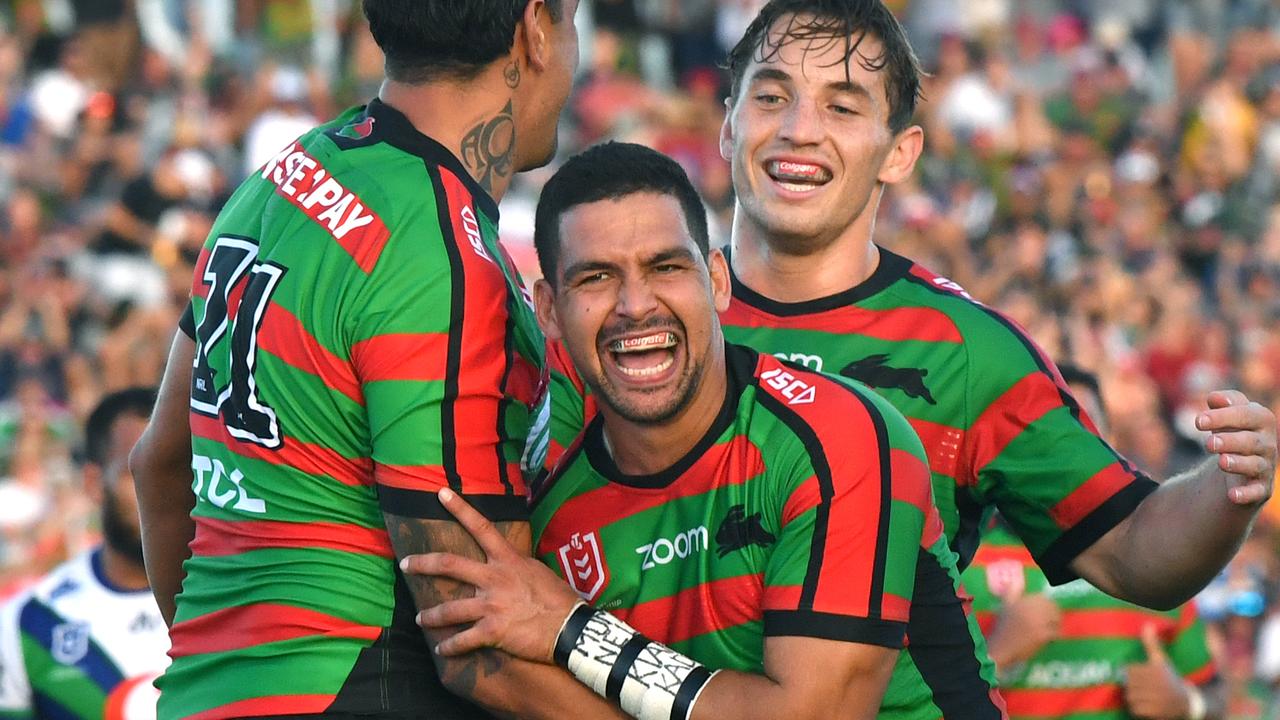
(740, 530)
(813, 362)
(582, 562)
(873, 371)
(663, 550)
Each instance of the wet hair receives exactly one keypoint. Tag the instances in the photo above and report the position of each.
(137, 402)
(432, 39)
(781, 22)
(611, 171)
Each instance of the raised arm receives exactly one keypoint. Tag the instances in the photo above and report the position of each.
(1183, 534)
(161, 467)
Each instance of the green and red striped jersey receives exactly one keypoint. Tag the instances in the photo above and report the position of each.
(361, 342)
(1080, 675)
(803, 511)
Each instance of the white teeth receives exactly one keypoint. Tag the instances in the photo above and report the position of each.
(649, 371)
(656, 341)
(798, 187)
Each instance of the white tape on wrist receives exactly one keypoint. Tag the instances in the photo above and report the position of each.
(648, 680)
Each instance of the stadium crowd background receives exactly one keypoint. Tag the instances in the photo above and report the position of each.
(1106, 172)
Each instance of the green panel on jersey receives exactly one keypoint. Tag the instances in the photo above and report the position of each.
(310, 669)
(400, 438)
(70, 687)
(292, 570)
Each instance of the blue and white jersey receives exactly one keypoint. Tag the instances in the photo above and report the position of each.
(74, 647)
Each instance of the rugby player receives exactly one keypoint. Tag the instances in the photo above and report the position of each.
(86, 642)
(752, 536)
(357, 340)
(1104, 659)
(818, 125)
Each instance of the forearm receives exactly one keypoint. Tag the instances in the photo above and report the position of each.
(744, 696)
(1177, 540)
(166, 539)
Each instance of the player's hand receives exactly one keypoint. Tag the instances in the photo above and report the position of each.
(1153, 690)
(519, 605)
(1243, 436)
(1027, 623)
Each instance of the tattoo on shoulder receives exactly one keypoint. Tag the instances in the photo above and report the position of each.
(488, 149)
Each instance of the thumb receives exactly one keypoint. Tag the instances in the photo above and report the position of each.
(1151, 643)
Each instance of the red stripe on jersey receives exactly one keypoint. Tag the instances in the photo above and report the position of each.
(911, 480)
(804, 498)
(304, 182)
(1204, 674)
(243, 626)
(1058, 703)
(272, 705)
(198, 287)
(524, 383)
(893, 607)
(558, 361)
(942, 445)
(839, 419)
(988, 554)
(284, 336)
(731, 463)
(1006, 417)
(305, 457)
(986, 621)
(892, 325)
(706, 608)
(421, 478)
(1082, 501)
(1113, 623)
(218, 538)
(401, 356)
(483, 354)
(782, 597)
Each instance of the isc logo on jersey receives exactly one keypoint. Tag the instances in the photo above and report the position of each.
(796, 391)
(664, 550)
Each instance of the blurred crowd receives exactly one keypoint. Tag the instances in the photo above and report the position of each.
(1107, 173)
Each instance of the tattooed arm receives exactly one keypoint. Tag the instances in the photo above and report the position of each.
(502, 684)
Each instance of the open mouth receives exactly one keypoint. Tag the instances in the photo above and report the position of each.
(796, 176)
(644, 356)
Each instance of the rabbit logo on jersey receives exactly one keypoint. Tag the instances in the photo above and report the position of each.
(582, 562)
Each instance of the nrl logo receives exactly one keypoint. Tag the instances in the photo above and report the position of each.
(70, 642)
(582, 562)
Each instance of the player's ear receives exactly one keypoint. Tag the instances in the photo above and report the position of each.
(726, 132)
(533, 35)
(721, 285)
(544, 307)
(901, 161)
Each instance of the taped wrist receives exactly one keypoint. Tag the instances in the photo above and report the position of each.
(648, 680)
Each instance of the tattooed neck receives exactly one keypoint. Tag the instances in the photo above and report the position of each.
(488, 149)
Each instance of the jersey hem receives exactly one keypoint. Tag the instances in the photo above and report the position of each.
(830, 626)
(1055, 561)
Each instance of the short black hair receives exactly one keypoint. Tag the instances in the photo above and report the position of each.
(135, 401)
(432, 39)
(837, 21)
(611, 171)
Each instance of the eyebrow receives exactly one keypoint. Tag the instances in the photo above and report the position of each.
(587, 266)
(844, 86)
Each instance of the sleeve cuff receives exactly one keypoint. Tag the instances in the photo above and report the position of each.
(1057, 558)
(187, 323)
(426, 505)
(829, 626)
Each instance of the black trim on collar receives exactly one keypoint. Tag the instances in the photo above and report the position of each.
(392, 127)
(740, 364)
(891, 268)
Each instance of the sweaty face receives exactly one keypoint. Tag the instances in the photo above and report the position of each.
(634, 304)
(807, 135)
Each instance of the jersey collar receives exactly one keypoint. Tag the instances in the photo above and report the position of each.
(740, 363)
(891, 268)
